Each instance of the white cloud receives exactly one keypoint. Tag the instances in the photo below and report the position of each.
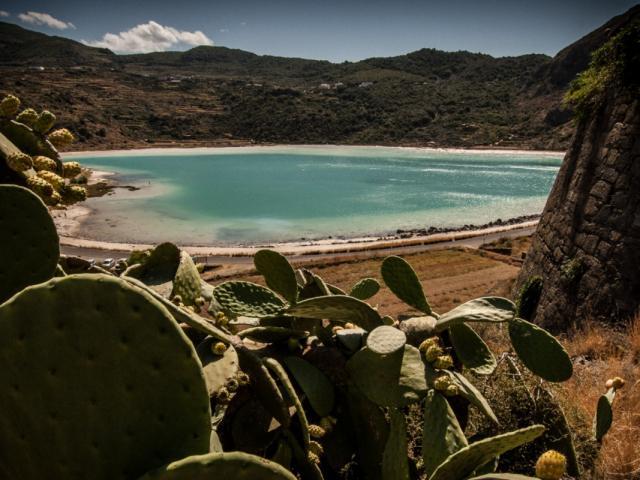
(4, 13)
(37, 18)
(150, 37)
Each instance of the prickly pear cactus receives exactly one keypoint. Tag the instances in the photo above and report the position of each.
(278, 274)
(232, 466)
(247, 299)
(25, 150)
(101, 383)
(540, 351)
(29, 247)
(186, 281)
(365, 289)
(404, 283)
(462, 463)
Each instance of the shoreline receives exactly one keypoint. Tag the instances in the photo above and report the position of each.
(307, 147)
(319, 247)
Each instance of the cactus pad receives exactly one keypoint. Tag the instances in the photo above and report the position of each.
(441, 435)
(264, 385)
(365, 289)
(271, 334)
(158, 269)
(29, 248)
(385, 340)
(485, 309)
(473, 395)
(465, 461)
(315, 384)
(338, 308)
(540, 351)
(182, 315)
(232, 466)
(247, 299)
(604, 415)
(404, 283)
(278, 274)
(395, 464)
(471, 349)
(94, 382)
(394, 380)
(186, 281)
(218, 369)
(351, 338)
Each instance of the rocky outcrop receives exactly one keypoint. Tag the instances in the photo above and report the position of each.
(587, 244)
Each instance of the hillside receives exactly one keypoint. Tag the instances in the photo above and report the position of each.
(217, 95)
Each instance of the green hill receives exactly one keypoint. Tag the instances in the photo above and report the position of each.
(217, 95)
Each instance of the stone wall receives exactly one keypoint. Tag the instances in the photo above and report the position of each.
(587, 245)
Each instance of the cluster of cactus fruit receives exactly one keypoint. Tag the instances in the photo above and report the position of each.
(148, 372)
(29, 155)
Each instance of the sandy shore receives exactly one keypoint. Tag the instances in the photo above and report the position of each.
(308, 248)
(306, 148)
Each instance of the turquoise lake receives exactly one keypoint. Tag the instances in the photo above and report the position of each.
(269, 194)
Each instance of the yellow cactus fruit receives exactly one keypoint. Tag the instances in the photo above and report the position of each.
(442, 383)
(200, 267)
(433, 353)
(429, 342)
(200, 301)
(452, 391)
(56, 181)
(618, 382)
(61, 138)
(41, 162)
(44, 122)
(243, 379)
(9, 106)
(39, 186)
(223, 396)
(74, 193)
(327, 423)
(54, 199)
(28, 116)
(316, 448)
(316, 431)
(176, 300)
(71, 169)
(313, 458)
(443, 362)
(232, 385)
(19, 162)
(218, 348)
(551, 465)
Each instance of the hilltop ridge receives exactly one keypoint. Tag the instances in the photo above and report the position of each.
(223, 96)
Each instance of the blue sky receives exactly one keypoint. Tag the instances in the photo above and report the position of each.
(322, 29)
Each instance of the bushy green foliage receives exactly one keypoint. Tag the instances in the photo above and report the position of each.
(617, 61)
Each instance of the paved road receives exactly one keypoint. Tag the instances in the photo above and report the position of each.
(473, 242)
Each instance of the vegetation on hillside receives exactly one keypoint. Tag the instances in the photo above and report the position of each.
(617, 62)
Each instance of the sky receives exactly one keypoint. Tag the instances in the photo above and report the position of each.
(347, 30)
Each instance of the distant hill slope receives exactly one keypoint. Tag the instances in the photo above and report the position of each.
(19, 46)
(217, 95)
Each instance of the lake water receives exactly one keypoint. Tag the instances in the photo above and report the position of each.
(266, 194)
